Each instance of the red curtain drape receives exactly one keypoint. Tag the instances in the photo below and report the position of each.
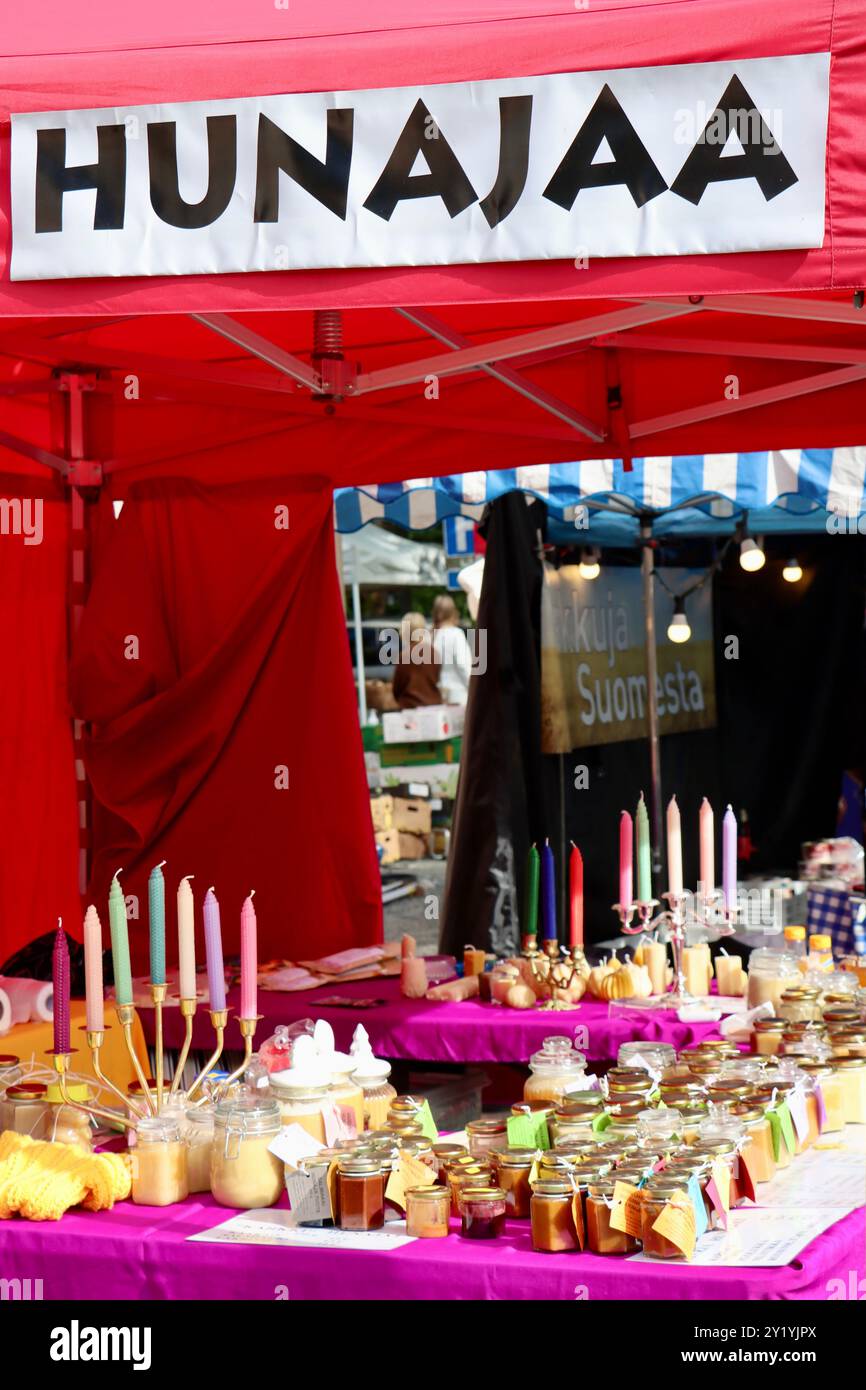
(38, 811)
(213, 667)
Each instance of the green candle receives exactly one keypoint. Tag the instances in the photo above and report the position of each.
(530, 910)
(644, 862)
(119, 943)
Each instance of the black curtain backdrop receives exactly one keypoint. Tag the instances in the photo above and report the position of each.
(791, 718)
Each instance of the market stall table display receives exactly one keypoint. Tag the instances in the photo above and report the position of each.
(444, 1031)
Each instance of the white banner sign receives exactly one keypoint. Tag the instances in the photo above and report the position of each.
(693, 159)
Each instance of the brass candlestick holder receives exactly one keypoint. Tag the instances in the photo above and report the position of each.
(554, 968)
(60, 1062)
(187, 1010)
(247, 1027)
(219, 1019)
(126, 1019)
(95, 1039)
(157, 994)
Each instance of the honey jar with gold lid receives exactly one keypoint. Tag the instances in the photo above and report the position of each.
(482, 1212)
(657, 1194)
(848, 1042)
(552, 1216)
(427, 1212)
(851, 1072)
(601, 1237)
(512, 1167)
(484, 1135)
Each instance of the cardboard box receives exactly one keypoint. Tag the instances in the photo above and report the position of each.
(412, 846)
(380, 695)
(418, 755)
(428, 722)
(400, 846)
(441, 778)
(410, 815)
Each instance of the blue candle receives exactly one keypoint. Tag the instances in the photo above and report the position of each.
(548, 892)
(156, 914)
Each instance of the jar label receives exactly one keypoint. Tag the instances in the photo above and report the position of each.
(308, 1193)
(625, 1212)
(407, 1172)
(292, 1144)
(676, 1223)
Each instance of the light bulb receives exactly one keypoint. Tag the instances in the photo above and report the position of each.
(752, 555)
(590, 564)
(679, 630)
(792, 572)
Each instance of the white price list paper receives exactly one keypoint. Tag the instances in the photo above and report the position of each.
(268, 1227)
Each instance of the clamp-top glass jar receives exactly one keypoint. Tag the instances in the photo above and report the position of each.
(555, 1069)
(159, 1174)
(243, 1171)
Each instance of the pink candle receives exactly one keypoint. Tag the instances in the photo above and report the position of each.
(729, 859)
(575, 937)
(707, 837)
(249, 958)
(60, 976)
(213, 946)
(93, 971)
(675, 848)
(625, 859)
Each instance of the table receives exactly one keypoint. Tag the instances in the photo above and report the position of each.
(35, 1040)
(142, 1253)
(423, 1030)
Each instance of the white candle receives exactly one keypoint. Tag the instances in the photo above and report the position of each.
(675, 848)
(708, 861)
(93, 971)
(186, 938)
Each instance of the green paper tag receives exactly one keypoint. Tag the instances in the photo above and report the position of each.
(601, 1122)
(787, 1125)
(428, 1124)
(776, 1130)
(528, 1131)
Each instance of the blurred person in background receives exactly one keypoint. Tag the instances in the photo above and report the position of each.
(416, 675)
(452, 651)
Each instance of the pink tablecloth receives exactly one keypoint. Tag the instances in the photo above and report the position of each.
(467, 1032)
(141, 1253)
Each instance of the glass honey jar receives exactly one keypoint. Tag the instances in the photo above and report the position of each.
(656, 1196)
(552, 1216)
(444, 1154)
(801, 1004)
(372, 1074)
(832, 1091)
(601, 1237)
(427, 1212)
(512, 1167)
(482, 1212)
(553, 1073)
(360, 1192)
(24, 1108)
(629, 1079)
(767, 1036)
(243, 1171)
(159, 1172)
(757, 1147)
(851, 1073)
(472, 1175)
(484, 1135)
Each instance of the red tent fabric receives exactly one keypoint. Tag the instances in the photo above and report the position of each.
(110, 386)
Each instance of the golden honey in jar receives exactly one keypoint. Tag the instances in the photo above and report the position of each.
(832, 1092)
(371, 1074)
(848, 1042)
(629, 1079)
(243, 1171)
(24, 1108)
(767, 1036)
(757, 1149)
(445, 1154)
(468, 1175)
(302, 1097)
(482, 1212)
(656, 1196)
(199, 1138)
(552, 1216)
(427, 1212)
(554, 1070)
(851, 1073)
(484, 1135)
(360, 1192)
(512, 1167)
(159, 1173)
(601, 1237)
(800, 1005)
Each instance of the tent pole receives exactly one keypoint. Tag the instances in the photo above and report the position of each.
(647, 566)
(359, 652)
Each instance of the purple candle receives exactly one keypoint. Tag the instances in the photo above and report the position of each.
(729, 859)
(60, 975)
(548, 892)
(213, 945)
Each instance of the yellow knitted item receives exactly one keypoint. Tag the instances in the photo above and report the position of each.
(41, 1181)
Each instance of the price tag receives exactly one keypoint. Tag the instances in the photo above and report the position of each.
(822, 1109)
(625, 1213)
(719, 1191)
(309, 1198)
(428, 1124)
(697, 1201)
(294, 1143)
(577, 1213)
(797, 1107)
(600, 1123)
(407, 1172)
(787, 1127)
(528, 1131)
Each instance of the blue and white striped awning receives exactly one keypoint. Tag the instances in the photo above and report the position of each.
(784, 490)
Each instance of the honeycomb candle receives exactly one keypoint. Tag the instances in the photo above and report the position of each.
(60, 975)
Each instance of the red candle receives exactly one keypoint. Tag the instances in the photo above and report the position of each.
(576, 918)
(60, 975)
(249, 959)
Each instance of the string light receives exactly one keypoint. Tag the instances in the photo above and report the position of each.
(590, 564)
(752, 557)
(792, 571)
(678, 629)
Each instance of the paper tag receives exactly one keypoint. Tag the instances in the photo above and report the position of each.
(309, 1198)
(697, 1200)
(428, 1124)
(677, 1224)
(294, 1143)
(577, 1213)
(407, 1172)
(776, 1132)
(625, 1212)
(719, 1191)
(601, 1123)
(787, 1127)
(822, 1109)
(797, 1107)
(746, 1172)
(333, 1170)
(528, 1131)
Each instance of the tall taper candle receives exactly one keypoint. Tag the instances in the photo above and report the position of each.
(93, 971)
(706, 823)
(60, 976)
(729, 859)
(249, 959)
(186, 938)
(530, 902)
(644, 861)
(548, 892)
(575, 926)
(675, 848)
(119, 943)
(156, 918)
(213, 946)
(626, 854)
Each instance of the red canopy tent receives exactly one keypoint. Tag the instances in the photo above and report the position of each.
(209, 661)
